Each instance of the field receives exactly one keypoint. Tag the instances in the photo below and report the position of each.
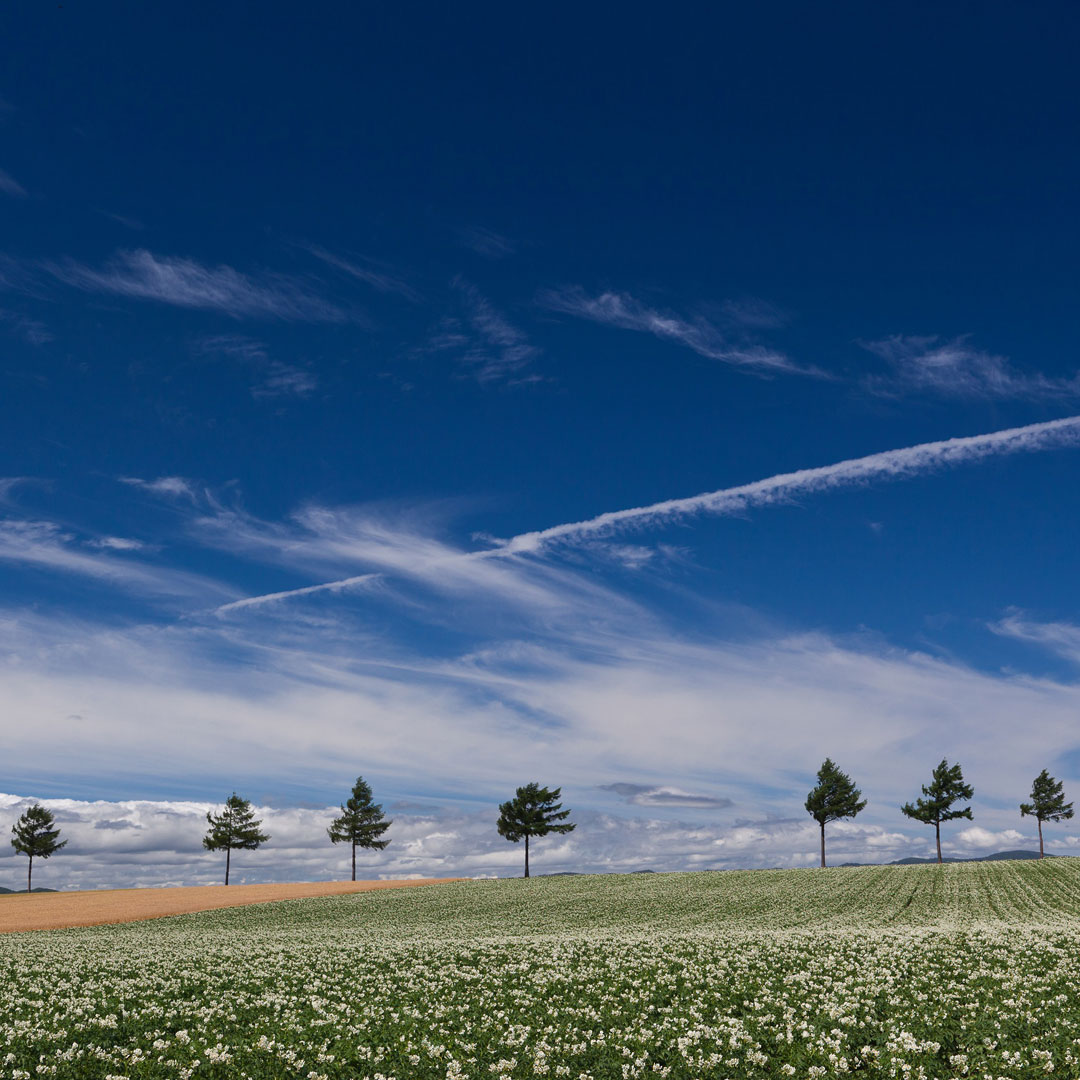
(54, 911)
(964, 970)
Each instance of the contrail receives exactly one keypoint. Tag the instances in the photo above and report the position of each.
(891, 464)
(888, 465)
(288, 594)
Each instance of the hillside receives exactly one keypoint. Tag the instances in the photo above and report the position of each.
(963, 970)
(954, 896)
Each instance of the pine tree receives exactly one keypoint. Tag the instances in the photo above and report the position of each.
(835, 797)
(361, 822)
(33, 835)
(534, 811)
(1047, 803)
(946, 787)
(235, 828)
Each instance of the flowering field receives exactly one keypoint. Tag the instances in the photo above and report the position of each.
(967, 970)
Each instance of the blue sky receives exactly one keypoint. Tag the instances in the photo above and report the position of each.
(304, 321)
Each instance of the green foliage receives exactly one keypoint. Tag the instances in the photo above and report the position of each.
(235, 828)
(361, 823)
(945, 788)
(835, 796)
(34, 834)
(1047, 800)
(533, 811)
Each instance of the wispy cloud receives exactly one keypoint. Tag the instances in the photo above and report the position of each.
(176, 487)
(291, 594)
(123, 219)
(699, 334)
(486, 242)
(186, 283)
(45, 545)
(955, 368)
(327, 538)
(653, 795)
(497, 351)
(1060, 638)
(377, 275)
(491, 348)
(10, 186)
(30, 330)
(273, 378)
(888, 465)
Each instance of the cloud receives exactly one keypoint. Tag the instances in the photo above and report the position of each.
(123, 219)
(955, 368)
(1057, 637)
(32, 331)
(700, 335)
(186, 283)
(116, 543)
(372, 273)
(10, 186)
(650, 795)
(46, 546)
(486, 242)
(291, 594)
(273, 378)
(888, 465)
(753, 312)
(977, 837)
(176, 487)
(492, 348)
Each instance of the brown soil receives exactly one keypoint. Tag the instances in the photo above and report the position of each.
(53, 911)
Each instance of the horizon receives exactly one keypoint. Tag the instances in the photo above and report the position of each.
(651, 410)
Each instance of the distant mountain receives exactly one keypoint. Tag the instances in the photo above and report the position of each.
(39, 889)
(998, 856)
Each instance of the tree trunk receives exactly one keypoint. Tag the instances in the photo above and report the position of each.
(937, 829)
(29, 873)
(526, 854)
(354, 861)
(823, 845)
(1039, 820)
(228, 854)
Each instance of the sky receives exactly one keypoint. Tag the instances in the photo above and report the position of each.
(646, 403)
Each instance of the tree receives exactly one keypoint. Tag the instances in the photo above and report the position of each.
(33, 835)
(835, 797)
(235, 828)
(361, 822)
(534, 811)
(946, 787)
(1047, 803)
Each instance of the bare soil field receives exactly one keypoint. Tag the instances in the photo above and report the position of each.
(54, 911)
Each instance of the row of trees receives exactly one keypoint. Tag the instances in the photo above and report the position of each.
(836, 797)
(534, 811)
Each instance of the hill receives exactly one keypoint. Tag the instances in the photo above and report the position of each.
(963, 970)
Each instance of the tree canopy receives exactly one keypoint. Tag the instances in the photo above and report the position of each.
(361, 823)
(945, 788)
(1047, 803)
(835, 797)
(235, 828)
(34, 835)
(534, 811)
